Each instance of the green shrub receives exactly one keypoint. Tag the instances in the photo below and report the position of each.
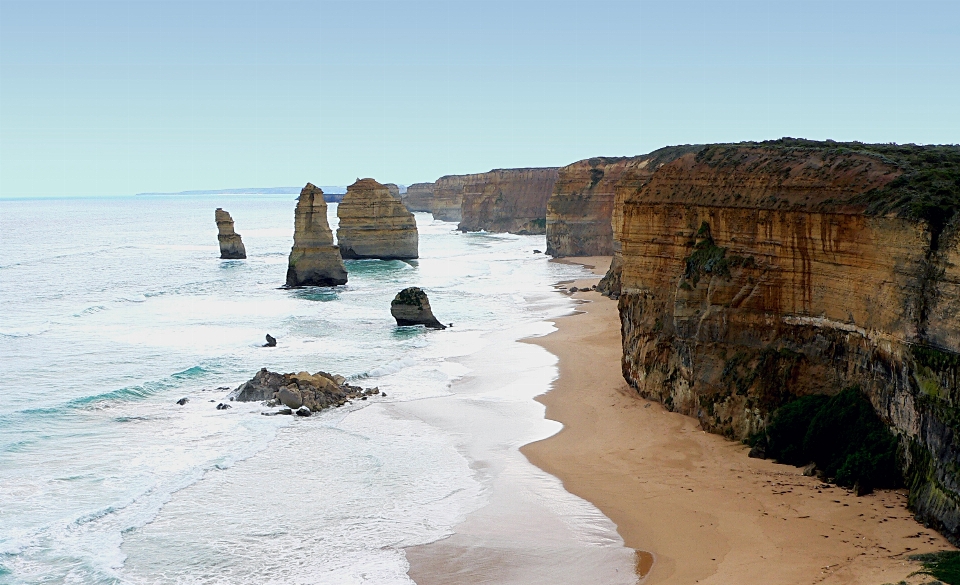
(841, 434)
(944, 565)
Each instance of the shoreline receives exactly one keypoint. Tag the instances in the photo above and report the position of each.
(693, 502)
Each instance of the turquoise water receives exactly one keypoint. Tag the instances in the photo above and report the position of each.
(113, 309)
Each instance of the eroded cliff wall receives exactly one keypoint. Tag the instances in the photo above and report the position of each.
(580, 209)
(419, 197)
(754, 274)
(507, 200)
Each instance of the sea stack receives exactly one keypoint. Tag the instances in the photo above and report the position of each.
(314, 260)
(419, 197)
(412, 307)
(231, 247)
(374, 224)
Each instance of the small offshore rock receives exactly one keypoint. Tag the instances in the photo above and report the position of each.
(573, 289)
(284, 411)
(223, 406)
(758, 452)
(810, 470)
(537, 252)
(412, 307)
(290, 398)
(303, 411)
(383, 394)
(271, 341)
(183, 401)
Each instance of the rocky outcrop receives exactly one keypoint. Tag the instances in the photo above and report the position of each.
(412, 307)
(313, 391)
(314, 260)
(231, 247)
(507, 200)
(753, 274)
(419, 197)
(374, 224)
(394, 190)
(502, 200)
(580, 209)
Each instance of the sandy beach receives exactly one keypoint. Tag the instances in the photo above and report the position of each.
(693, 502)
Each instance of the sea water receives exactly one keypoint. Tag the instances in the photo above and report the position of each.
(111, 310)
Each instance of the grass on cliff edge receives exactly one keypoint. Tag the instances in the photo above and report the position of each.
(943, 565)
(928, 188)
(842, 434)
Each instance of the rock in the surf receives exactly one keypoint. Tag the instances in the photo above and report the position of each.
(290, 397)
(271, 341)
(412, 307)
(231, 246)
(293, 391)
(314, 260)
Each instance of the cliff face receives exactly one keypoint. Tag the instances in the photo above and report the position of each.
(507, 200)
(375, 224)
(758, 273)
(448, 197)
(314, 260)
(419, 197)
(581, 207)
(231, 246)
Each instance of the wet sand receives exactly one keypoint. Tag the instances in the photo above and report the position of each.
(694, 502)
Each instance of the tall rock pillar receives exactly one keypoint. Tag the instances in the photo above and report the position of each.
(314, 260)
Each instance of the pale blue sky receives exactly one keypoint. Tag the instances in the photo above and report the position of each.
(115, 98)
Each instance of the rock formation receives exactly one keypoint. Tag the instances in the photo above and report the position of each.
(507, 200)
(314, 260)
(313, 391)
(448, 197)
(411, 307)
(580, 209)
(373, 224)
(502, 200)
(231, 247)
(393, 189)
(419, 197)
(756, 273)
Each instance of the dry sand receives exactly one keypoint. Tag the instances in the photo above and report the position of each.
(693, 502)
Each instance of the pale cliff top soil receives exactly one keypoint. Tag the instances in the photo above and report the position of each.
(705, 511)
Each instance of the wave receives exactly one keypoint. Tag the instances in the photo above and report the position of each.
(26, 331)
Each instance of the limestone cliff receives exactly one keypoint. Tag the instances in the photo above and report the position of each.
(580, 209)
(448, 197)
(314, 260)
(393, 189)
(231, 246)
(374, 224)
(507, 200)
(756, 273)
(419, 197)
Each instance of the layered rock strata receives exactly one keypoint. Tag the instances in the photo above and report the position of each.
(448, 197)
(507, 200)
(231, 246)
(412, 307)
(314, 391)
(579, 218)
(394, 190)
(314, 260)
(753, 274)
(374, 224)
(419, 197)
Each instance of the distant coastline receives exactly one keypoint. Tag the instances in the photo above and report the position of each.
(327, 189)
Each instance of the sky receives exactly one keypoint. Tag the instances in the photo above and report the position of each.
(121, 97)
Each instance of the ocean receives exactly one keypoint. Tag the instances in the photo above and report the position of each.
(114, 309)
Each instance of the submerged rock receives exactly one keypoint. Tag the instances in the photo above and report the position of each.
(183, 401)
(412, 307)
(375, 224)
(271, 341)
(296, 392)
(231, 246)
(314, 260)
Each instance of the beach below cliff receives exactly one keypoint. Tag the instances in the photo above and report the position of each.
(692, 504)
